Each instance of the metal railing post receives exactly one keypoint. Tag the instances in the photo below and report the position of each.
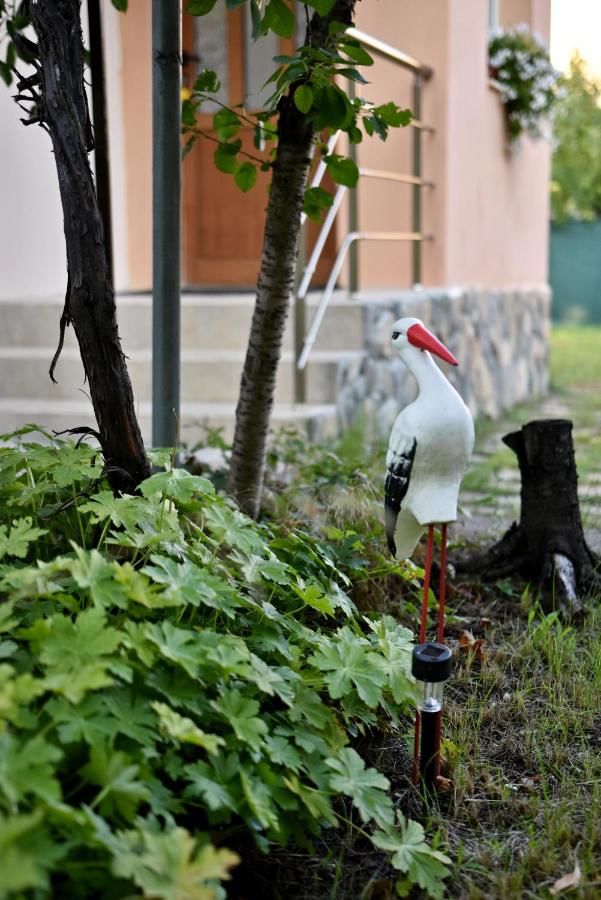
(416, 170)
(353, 214)
(300, 323)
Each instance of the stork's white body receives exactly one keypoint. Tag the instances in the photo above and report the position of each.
(440, 427)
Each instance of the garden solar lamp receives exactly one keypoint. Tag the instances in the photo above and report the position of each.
(428, 452)
(431, 666)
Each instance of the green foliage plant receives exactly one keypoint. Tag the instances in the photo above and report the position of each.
(314, 76)
(519, 63)
(576, 170)
(174, 677)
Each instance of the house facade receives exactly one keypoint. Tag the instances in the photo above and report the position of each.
(482, 209)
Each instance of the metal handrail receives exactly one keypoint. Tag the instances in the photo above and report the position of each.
(350, 239)
(304, 344)
(384, 49)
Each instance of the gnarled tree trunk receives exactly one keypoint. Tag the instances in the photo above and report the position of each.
(89, 301)
(548, 543)
(275, 285)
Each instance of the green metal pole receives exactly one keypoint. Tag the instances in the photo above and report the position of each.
(417, 171)
(166, 188)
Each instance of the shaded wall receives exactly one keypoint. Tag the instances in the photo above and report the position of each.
(575, 271)
(489, 209)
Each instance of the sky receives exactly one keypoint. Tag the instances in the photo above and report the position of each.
(576, 24)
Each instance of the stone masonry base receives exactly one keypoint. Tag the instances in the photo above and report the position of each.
(500, 338)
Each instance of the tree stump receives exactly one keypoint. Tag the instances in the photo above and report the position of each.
(547, 544)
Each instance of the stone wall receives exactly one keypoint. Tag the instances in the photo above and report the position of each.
(499, 337)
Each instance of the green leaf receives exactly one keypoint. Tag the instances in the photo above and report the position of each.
(226, 124)
(207, 82)
(241, 713)
(356, 52)
(246, 176)
(255, 16)
(94, 573)
(184, 730)
(368, 788)
(169, 865)
(121, 5)
(225, 157)
(22, 853)
(188, 114)
(393, 115)
(231, 527)
(5, 73)
(76, 655)
(117, 776)
(188, 583)
(176, 644)
(126, 512)
(303, 98)
(323, 7)
(342, 170)
(200, 7)
(21, 535)
(332, 108)
(412, 855)
(316, 200)
(28, 767)
(234, 4)
(352, 75)
(317, 802)
(347, 664)
(258, 797)
(202, 783)
(279, 18)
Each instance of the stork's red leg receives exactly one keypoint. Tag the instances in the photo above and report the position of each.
(443, 582)
(441, 610)
(422, 639)
(427, 570)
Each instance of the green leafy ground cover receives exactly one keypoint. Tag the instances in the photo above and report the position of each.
(186, 695)
(177, 682)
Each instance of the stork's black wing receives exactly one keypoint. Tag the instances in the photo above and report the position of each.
(397, 483)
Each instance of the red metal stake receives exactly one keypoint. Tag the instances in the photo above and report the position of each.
(422, 638)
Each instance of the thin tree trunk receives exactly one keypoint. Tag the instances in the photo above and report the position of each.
(275, 285)
(89, 301)
(548, 543)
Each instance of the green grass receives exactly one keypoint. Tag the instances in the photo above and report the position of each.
(575, 356)
(523, 722)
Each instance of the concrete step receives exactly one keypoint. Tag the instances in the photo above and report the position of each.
(318, 421)
(209, 321)
(205, 374)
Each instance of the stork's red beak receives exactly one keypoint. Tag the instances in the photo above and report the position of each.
(425, 340)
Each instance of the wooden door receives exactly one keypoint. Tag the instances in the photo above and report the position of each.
(223, 227)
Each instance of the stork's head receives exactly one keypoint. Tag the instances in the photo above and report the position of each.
(410, 332)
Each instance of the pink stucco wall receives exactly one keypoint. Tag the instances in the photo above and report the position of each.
(489, 210)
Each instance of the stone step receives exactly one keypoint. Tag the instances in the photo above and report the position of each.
(317, 421)
(205, 374)
(208, 321)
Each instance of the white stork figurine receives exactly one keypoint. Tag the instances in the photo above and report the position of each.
(430, 443)
(428, 452)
